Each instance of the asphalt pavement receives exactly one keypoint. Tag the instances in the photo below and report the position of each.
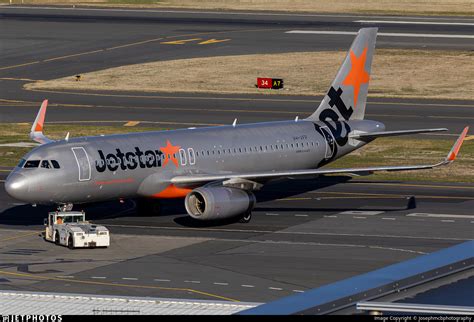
(303, 234)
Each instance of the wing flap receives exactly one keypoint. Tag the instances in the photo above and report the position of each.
(374, 135)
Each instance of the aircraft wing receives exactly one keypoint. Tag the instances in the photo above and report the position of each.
(197, 179)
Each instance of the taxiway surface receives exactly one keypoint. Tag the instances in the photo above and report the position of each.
(313, 233)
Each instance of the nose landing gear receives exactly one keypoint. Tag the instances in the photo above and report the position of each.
(65, 207)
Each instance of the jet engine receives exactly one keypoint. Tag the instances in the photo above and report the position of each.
(210, 203)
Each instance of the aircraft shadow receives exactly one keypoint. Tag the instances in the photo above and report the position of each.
(280, 189)
(26, 215)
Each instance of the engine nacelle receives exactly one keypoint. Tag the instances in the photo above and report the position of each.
(218, 203)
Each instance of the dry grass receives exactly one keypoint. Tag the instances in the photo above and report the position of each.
(396, 73)
(404, 151)
(404, 7)
(18, 132)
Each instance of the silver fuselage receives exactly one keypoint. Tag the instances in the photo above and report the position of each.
(137, 165)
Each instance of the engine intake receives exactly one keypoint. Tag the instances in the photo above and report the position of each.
(218, 203)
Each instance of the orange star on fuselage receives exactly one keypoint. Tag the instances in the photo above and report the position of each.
(357, 74)
(170, 153)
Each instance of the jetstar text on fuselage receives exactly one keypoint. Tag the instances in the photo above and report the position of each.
(129, 160)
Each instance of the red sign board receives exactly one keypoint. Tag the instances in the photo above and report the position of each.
(264, 82)
(273, 83)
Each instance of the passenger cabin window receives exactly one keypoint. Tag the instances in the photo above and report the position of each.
(31, 164)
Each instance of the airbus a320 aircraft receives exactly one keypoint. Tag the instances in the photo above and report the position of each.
(216, 169)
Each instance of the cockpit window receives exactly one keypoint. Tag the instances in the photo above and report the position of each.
(32, 164)
(55, 164)
(22, 163)
(45, 164)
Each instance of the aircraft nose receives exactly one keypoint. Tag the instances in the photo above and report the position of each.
(16, 186)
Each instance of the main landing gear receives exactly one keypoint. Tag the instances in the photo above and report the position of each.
(246, 218)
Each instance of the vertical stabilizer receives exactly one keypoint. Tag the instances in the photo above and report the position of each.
(347, 95)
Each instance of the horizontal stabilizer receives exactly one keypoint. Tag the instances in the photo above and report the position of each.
(374, 135)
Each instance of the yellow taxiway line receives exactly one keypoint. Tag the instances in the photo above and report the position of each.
(117, 285)
(132, 44)
(20, 236)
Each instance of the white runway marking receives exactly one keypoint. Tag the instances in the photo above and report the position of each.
(194, 282)
(447, 220)
(358, 217)
(380, 34)
(275, 288)
(332, 216)
(130, 278)
(272, 214)
(218, 283)
(99, 277)
(245, 285)
(361, 212)
(398, 249)
(389, 218)
(416, 22)
(253, 241)
(301, 215)
(298, 291)
(161, 280)
(423, 214)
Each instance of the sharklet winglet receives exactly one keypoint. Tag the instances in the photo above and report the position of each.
(457, 146)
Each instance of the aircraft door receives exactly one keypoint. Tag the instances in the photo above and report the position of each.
(330, 142)
(192, 157)
(83, 163)
(182, 156)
